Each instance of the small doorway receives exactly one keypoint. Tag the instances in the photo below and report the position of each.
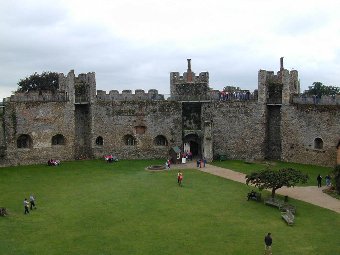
(192, 143)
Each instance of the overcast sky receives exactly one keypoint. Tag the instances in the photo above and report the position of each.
(135, 44)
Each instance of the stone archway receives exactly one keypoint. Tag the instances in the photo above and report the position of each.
(193, 143)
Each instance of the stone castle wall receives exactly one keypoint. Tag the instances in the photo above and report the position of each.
(114, 120)
(40, 121)
(273, 125)
(301, 125)
(238, 128)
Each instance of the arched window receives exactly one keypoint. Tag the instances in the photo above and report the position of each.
(129, 140)
(99, 141)
(160, 141)
(24, 141)
(318, 143)
(58, 140)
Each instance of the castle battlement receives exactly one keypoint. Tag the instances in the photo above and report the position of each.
(36, 96)
(203, 77)
(324, 100)
(139, 94)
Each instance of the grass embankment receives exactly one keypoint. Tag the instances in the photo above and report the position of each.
(248, 167)
(91, 207)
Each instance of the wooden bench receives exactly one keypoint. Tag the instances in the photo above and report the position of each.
(288, 216)
(254, 196)
(274, 202)
(289, 207)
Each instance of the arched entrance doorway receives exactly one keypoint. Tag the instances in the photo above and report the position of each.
(192, 143)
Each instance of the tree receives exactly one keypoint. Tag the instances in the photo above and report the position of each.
(47, 81)
(275, 179)
(318, 89)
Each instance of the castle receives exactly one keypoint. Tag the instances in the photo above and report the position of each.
(273, 122)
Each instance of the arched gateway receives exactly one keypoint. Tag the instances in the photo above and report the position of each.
(192, 142)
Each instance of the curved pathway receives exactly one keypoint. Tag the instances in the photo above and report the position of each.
(309, 194)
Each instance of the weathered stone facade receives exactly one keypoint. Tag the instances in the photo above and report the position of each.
(77, 121)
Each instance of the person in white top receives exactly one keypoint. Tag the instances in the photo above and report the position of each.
(32, 202)
(26, 204)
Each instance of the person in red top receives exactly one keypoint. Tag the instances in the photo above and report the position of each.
(179, 178)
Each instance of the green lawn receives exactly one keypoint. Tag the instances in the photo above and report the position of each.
(247, 167)
(91, 207)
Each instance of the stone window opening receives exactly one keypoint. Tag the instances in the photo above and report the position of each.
(99, 141)
(24, 141)
(129, 140)
(318, 143)
(160, 141)
(58, 140)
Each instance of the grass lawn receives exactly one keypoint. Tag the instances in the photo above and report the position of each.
(247, 168)
(92, 207)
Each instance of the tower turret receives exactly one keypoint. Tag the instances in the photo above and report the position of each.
(189, 86)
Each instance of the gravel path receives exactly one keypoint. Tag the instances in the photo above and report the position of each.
(310, 194)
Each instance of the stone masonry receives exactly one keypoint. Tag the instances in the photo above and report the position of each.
(77, 121)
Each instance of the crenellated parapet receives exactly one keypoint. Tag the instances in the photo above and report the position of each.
(314, 100)
(203, 77)
(126, 95)
(36, 96)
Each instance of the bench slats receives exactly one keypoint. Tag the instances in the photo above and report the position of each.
(288, 216)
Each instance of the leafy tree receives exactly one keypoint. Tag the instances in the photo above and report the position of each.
(39, 82)
(275, 179)
(319, 90)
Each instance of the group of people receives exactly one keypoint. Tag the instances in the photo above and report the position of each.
(53, 162)
(251, 195)
(29, 204)
(187, 155)
(110, 158)
(238, 95)
(327, 179)
(201, 162)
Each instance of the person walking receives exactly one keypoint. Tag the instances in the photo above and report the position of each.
(328, 180)
(319, 179)
(32, 202)
(179, 178)
(204, 161)
(268, 244)
(26, 204)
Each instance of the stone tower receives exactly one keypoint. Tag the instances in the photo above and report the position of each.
(189, 86)
(276, 92)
